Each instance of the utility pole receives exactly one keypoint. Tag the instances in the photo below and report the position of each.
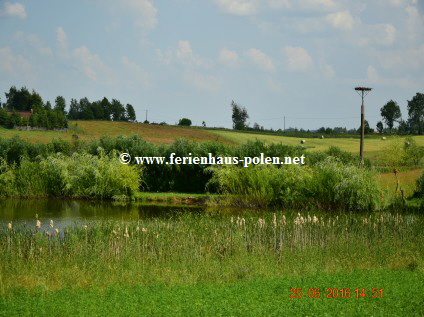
(146, 114)
(284, 123)
(362, 91)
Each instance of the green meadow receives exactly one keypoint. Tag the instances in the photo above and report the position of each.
(214, 264)
(329, 238)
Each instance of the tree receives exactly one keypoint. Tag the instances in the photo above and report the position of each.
(185, 122)
(239, 116)
(74, 110)
(390, 113)
(60, 104)
(118, 110)
(380, 127)
(416, 114)
(4, 117)
(403, 127)
(130, 113)
(107, 109)
(367, 128)
(86, 113)
(18, 100)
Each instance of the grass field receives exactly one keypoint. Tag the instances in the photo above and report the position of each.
(158, 134)
(216, 265)
(407, 180)
(402, 296)
(372, 148)
(90, 130)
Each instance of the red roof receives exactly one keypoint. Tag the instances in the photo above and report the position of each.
(23, 114)
(26, 114)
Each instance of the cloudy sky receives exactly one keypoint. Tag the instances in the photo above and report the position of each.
(189, 58)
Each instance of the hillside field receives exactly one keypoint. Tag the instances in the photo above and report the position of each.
(166, 134)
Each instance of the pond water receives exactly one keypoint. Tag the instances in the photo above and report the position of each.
(69, 212)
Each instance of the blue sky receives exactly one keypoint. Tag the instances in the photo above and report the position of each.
(189, 58)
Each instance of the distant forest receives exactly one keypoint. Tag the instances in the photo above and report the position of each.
(27, 109)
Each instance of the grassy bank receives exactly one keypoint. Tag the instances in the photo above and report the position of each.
(174, 198)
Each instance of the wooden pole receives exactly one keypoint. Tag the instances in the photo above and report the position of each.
(361, 149)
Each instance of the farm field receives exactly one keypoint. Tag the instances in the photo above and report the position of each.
(373, 146)
(166, 134)
(91, 130)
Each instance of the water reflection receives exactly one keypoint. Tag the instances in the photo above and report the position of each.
(71, 211)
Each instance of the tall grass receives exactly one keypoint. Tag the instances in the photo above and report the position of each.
(206, 248)
(80, 176)
(329, 184)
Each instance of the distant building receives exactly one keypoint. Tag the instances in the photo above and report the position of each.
(23, 114)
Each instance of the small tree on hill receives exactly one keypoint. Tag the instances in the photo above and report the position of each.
(390, 113)
(239, 116)
(185, 122)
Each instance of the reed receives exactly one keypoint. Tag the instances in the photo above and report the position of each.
(206, 248)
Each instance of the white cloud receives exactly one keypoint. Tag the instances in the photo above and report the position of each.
(297, 58)
(374, 78)
(33, 41)
(13, 64)
(342, 20)
(238, 7)
(207, 83)
(228, 57)
(317, 4)
(274, 85)
(62, 39)
(410, 59)
(414, 23)
(142, 13)
(327, 71)
(145, 11)
(260, 59)
(184, 55)
(279, 4)
(385, 34)
(135, 71)
(14, 10)
(91, 65)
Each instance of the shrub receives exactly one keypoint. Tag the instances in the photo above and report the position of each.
(81, 176)
(330, 184)
(185, 122)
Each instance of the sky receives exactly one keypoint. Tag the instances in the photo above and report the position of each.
(190, 58)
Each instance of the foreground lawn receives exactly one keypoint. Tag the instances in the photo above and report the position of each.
(403, 295)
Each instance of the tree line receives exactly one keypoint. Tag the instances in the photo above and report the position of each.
(25, 108)
(390, 113)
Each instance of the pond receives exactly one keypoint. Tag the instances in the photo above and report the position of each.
(69, 212)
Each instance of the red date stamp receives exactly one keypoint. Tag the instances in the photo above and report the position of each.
(336, 293)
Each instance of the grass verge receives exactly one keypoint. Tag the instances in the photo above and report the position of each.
(402, 295)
